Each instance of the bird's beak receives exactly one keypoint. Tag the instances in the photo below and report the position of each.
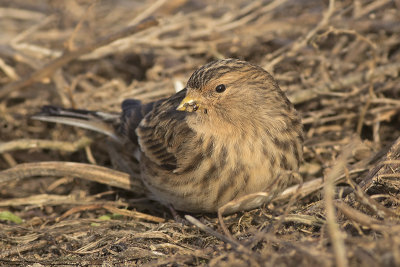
(188, 104)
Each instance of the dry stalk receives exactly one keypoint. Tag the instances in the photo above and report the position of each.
(22, 144)
(67, 57)
(79, 170)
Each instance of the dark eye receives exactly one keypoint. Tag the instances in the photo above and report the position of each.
(220, 88)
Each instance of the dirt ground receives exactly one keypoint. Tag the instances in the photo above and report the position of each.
(62, 200)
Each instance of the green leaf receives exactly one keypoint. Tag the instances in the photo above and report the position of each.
(8, 216)
(105, 217)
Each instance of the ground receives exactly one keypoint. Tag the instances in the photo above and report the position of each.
(338, 62)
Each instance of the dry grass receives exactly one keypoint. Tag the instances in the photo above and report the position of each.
(338, 61)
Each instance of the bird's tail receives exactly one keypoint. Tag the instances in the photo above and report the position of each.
(105, 123)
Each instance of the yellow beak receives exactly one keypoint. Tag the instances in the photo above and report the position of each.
(186, 103)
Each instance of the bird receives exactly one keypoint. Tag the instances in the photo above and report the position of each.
(229, 133)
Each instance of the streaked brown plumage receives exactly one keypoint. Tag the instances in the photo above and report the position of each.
(229, 133)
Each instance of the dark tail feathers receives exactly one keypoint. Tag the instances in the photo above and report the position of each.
(106, 123)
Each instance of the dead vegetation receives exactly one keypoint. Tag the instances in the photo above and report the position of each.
(338, 61)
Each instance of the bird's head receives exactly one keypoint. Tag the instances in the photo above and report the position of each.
(232, 90)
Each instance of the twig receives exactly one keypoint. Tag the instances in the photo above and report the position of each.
(210, 231)
(8, 70)
(70, 42)
(334, 232)
(21, 14)
(366, 220)
(80, 170)
(377, 207)
(301, 96)
(371, 7)
(54, 200)
(391, 154)
(22, 144)
(280, 54)
(148, 12)
(49, 69)
(302, 219)
(246, 202)
(124, 212)
(26, 33)
(364, 110)
(134, 214)
(23, 248)
(311, 186)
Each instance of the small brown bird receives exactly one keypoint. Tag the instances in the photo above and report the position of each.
(229, 133)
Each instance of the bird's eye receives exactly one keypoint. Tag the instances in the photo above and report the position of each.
(220, 88)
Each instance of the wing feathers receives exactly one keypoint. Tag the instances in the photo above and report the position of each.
(158, 132)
